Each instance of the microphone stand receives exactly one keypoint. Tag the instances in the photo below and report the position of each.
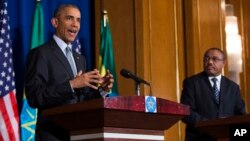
(137, 88)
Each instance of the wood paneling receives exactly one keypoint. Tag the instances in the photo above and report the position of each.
(204, 29)
(245, 29)
(165, 42)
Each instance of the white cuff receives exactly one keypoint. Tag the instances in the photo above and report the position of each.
(103, 93)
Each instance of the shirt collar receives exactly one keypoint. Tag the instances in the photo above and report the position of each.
(218, 77)
(61, 43)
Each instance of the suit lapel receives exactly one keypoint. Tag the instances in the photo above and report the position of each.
(223, 86)
(61, 57)
(77, 61)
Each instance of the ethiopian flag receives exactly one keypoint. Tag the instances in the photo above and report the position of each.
(106, 56)
(28, 115)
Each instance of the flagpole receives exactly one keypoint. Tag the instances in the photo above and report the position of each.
(105, 17)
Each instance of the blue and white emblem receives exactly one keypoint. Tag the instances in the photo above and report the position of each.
(150, 104)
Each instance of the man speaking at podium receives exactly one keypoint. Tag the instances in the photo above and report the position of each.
(210, 95)
(56, 74)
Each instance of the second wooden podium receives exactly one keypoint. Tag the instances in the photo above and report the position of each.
(117, 118)
(220, 128)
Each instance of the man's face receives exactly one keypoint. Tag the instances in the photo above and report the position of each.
(213, 62)
(67, 24)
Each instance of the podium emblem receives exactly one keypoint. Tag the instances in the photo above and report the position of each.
(150, 104)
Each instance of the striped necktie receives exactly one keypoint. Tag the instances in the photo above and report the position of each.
(70, 59)
(216, 90)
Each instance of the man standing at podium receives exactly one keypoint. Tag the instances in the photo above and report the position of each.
(56, 74)
(210, 95)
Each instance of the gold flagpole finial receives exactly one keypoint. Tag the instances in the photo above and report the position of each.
(105, 12)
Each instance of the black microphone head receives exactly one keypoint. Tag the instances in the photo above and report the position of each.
(125, 73)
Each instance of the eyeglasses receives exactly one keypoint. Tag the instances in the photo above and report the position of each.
(214, 59)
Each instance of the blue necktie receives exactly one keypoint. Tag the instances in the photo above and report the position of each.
(216, 90)
(70, 59)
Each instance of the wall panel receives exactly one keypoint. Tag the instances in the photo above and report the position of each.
(245, 28)
(204, 29)
(166, 40)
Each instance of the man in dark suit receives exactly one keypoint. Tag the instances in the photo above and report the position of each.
(56, 75)
(210, 95)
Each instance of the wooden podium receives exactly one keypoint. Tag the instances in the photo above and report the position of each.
(220, 128)
(117, 118)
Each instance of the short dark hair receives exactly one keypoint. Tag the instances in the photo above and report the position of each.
(217, 49)
(62, 7)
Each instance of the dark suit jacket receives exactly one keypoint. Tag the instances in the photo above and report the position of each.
(198, 94)
(47, 84)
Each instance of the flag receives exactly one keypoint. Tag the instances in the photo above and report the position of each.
(37, 36)
(106, 56)
(9, 119)
(29, 115)
(76, 45)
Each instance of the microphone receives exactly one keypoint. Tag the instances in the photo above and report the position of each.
(127, 74)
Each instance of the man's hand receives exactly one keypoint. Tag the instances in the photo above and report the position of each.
(108, 81)
(89, 79)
